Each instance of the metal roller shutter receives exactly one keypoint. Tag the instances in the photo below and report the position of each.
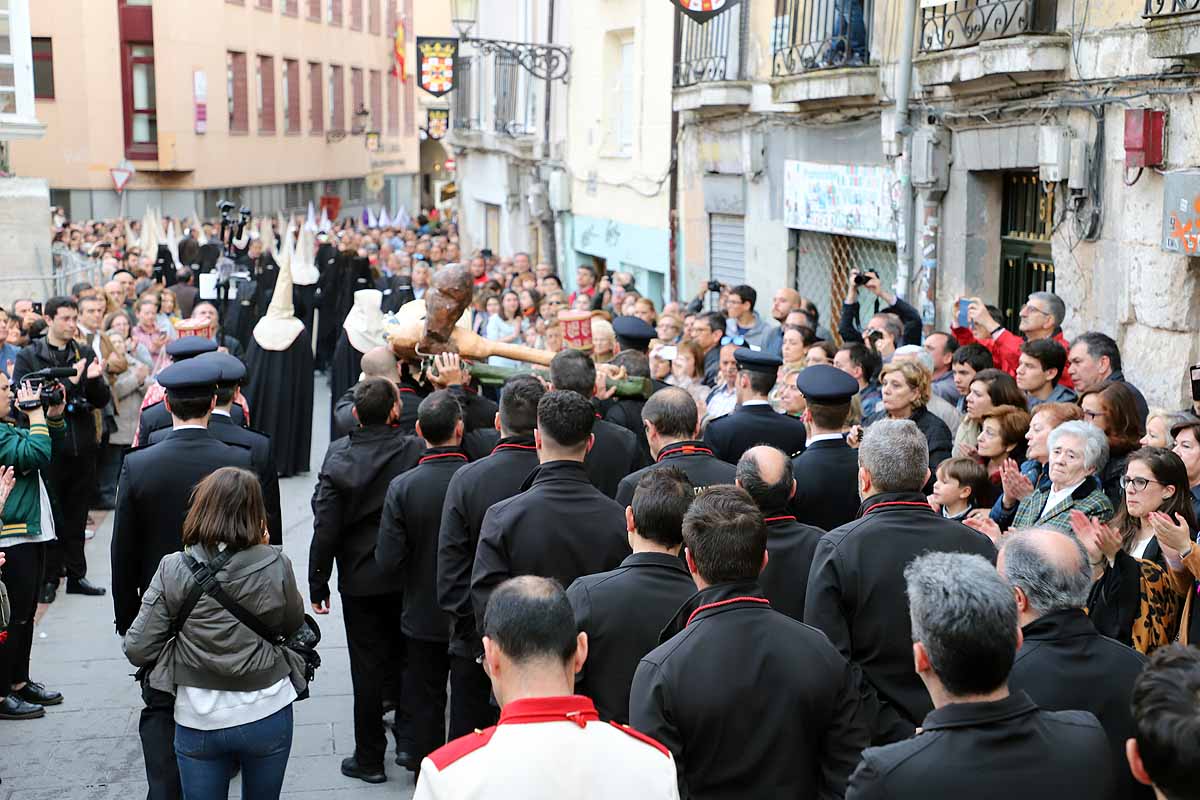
(727, 248)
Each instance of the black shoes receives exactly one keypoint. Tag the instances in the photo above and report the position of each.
(13, 707)
(352, 769)
(84, 586)
(49, 592)
(38, 694)
(407, 760)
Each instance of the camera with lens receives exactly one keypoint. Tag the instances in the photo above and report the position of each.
(863, 278)
(714, 286)
(224, 206)
(47, 383)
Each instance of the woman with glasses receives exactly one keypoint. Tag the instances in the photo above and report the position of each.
(1112, 407)
(1134, 600)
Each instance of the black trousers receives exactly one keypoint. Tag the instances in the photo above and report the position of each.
(22, 576)
(108, 470)
(157, 731)
(376, 647)
(471, 704)
(72, 484)
(425, 679)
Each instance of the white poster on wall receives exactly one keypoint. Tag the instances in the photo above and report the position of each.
(847, 199)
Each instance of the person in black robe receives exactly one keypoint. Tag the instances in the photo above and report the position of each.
(329, 324)
(362, 331)
(279, 386)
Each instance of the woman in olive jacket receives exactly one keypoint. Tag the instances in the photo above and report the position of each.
(233, 689)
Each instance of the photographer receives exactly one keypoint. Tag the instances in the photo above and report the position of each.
(879, 328)
(72, 473)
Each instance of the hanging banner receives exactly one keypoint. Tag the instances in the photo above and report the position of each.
(703, 10)
(437, 122)
(400, 68)
(435, 64)
(848, 199)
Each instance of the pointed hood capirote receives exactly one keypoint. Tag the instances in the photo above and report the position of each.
(279, 327)
(364, 323)
(304, 268)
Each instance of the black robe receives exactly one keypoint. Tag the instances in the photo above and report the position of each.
(279, 387)
(343, 373)
(326, 300)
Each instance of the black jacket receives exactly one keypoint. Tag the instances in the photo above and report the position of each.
(991, 751)
(614, 454)
(937, 436)
(347, 504)
(408, 539)
(909, 317)
(343, 412)
(1066, 665)
(733, 434)
(790, 549)
(627, 412)
(623, 611)
(152, 500)
(752, 703)
(560, 526)
(82, 398)
(472, 491)
(222, 428)
(155, 417)
(697, 462)
(856, 595)
(826, 484)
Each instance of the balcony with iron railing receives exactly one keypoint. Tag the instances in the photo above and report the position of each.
(1172, 28)
(966, 40)
(821, 50)
(711, 68)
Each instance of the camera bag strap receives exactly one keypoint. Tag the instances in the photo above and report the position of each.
(206, 578)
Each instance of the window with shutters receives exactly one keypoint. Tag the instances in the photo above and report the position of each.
(316, 106)
(265, 5)
(314, 10)
(235, 92)
(373, 17)
(291, 8)
(334, 12)
(356, 95)
(295, 194)
(356, 14)
(291, 95)
(337, 99)
(625, 129)
(43, 69)
(393, 126)
(141, 114)
(356, 190)
(266, 94)
(727, 248)
(376, 100)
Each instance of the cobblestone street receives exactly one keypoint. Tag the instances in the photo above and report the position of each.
(88, 748)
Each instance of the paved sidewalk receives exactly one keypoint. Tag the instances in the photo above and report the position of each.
(88, 748)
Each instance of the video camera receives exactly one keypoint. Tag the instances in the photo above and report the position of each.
(48, 384)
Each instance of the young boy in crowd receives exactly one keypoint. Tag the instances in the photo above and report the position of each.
(961, 486)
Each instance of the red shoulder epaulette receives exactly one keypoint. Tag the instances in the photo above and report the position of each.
(640, 737)
(450, 752)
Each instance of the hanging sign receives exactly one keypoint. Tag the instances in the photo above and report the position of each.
(436, 122)
(435, 64)
(703, 10)
(120, 177)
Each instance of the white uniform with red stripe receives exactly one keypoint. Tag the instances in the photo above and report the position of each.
(552, 748)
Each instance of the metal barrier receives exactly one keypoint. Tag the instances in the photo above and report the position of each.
(712, 51)
(962, 23)
(821, 34)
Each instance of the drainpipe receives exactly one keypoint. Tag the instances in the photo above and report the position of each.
(904, 69)
(551, 227)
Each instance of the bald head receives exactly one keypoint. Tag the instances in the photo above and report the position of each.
(1049, 567)
(766, 474)
(784, 302)
(380, 362)
(672, 412)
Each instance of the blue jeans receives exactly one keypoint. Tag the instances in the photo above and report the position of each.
(206, 758)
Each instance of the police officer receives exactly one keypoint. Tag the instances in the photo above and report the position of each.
(826, 472)
(155, 415)
(152, 500)
(754, 421)
(672, 425)
(615, 452)
(408, 539)
(222, 427)
(472, 491)
(765, 473)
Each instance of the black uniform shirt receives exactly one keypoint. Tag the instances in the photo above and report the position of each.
(693, 458)
(790, 547)
(614, 454)
(733, 434)
(826, 484)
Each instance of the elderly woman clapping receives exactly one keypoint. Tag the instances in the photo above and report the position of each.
(1078, 451)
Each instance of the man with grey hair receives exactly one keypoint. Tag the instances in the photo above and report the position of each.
(1064, 664)
(1040, 318)
(855, 588)
(937, 404)
(980, 739)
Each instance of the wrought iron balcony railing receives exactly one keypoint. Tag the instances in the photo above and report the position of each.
(1167, 8)
(821, 34)
(962, 23)
(463, 116)
(712, 51)
(509, 119)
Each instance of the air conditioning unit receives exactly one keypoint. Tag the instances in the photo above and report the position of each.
(559, 191)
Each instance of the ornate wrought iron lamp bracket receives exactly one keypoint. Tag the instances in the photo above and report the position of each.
(550, 62)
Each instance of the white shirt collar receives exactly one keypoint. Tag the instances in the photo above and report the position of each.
(823, 437)
(191, 427)
(756, 403)
(222, 413)
(1057, 497)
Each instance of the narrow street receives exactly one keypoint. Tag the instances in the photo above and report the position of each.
(88, 748)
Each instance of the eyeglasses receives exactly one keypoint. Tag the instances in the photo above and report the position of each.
(740, 341)
(1137, 484)
(1029, 308)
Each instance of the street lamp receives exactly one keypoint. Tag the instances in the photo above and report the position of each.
(550, 62)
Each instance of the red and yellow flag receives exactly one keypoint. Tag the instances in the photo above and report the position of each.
(400, 70)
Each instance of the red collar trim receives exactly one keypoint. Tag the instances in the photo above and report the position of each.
(500, 447)
(404, 389)
(780, 518)
(571, 708)
(925, 506)
(685, 450)
(442, 455)
(730, 601)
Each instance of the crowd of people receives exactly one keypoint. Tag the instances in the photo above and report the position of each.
(809, 556)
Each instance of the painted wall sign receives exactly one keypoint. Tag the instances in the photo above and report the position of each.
(846, 199)
(1181, 212)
